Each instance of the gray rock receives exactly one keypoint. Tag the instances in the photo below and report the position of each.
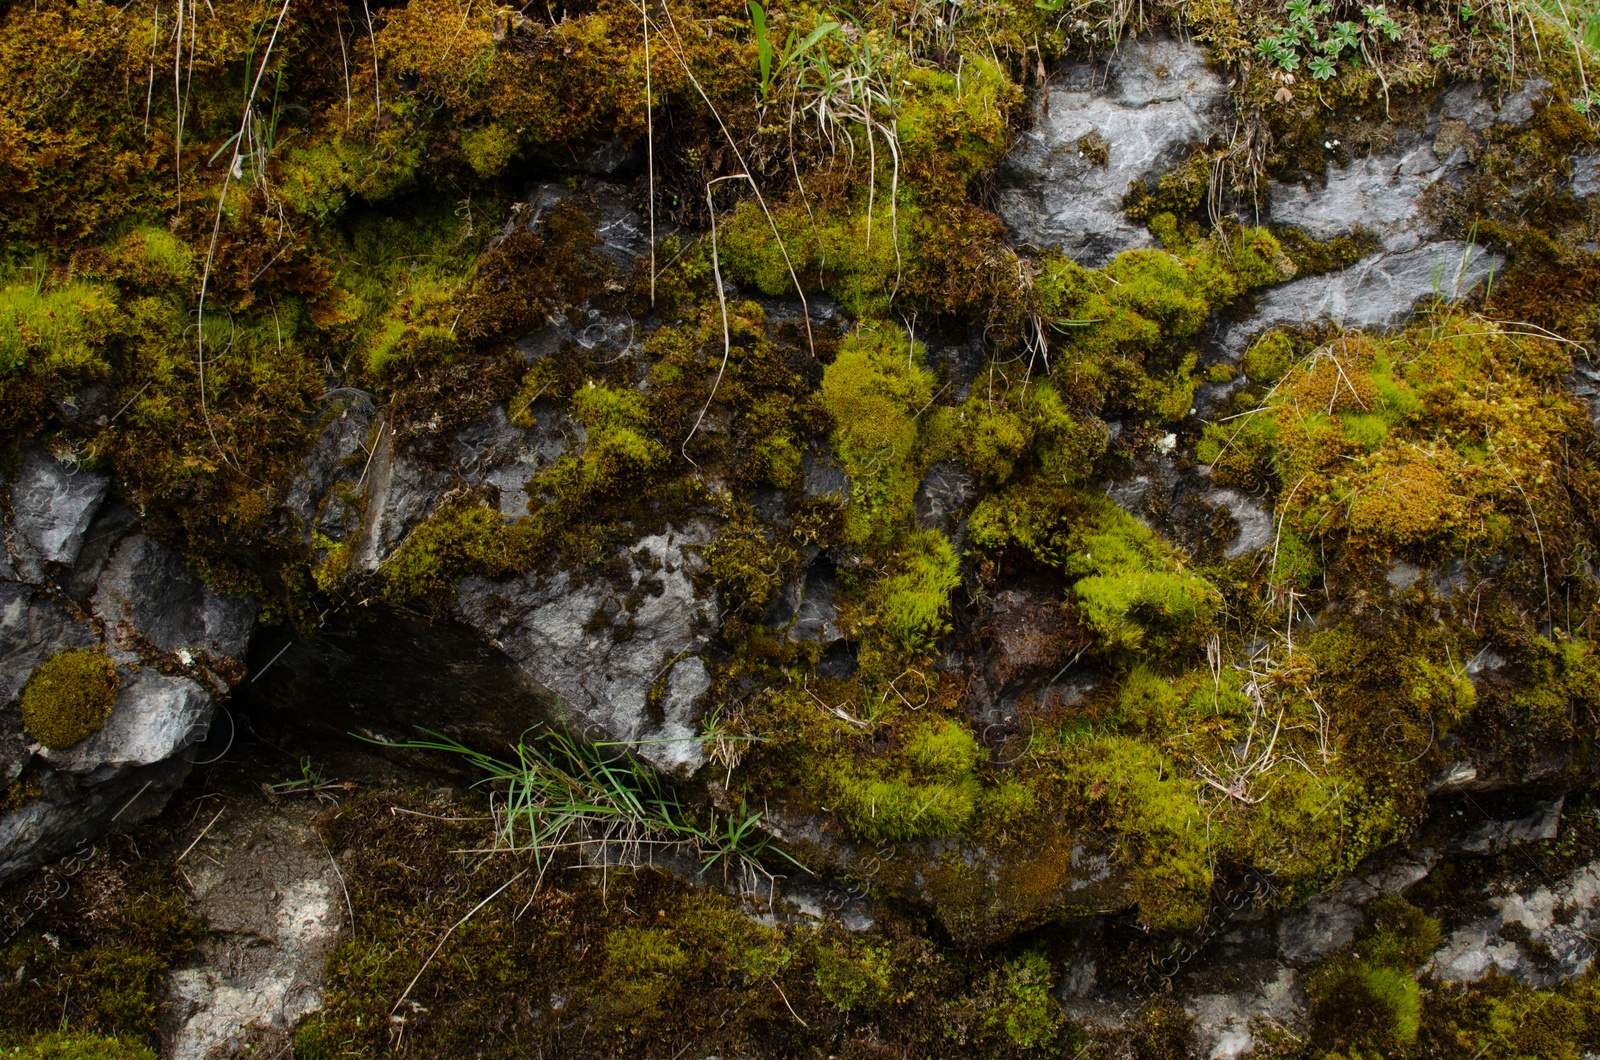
(1382, 193)
(1518, 107)
(150, 593)
(1540, 937)
(400, 492)
(603, 335)
(70, 814)
(323, 495)
(1584, 382)
(1491, 837)
(1255, 524)
(599, 648)
(33, 627)
(1585, 174)
(52, 503)
(1468, 103)
(155, 717)
(1380, 292)
(680, 751)
(495, 452)
(1328, 923)
(943, 496)
(817, 616)
(1225, 1025)
(1402, 575)
(1457, 776)
(823, 476)
(1153, 99)
(1486, 661)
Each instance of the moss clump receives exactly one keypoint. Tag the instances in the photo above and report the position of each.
(51, 342)
(1437, 441)
(911, 601)
(875, 390)
(1355, 1004)
(1131, 788)
(69, 1046)
(460, 538)
(1028, 1015)
(853, 977)
(927, 786)
(69, 697)
(1129, 332)
(1133, 590)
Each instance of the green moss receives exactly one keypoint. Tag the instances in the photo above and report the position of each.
(1132, 589)
(69, 697)
(911, 601)
(1132, 790)
(626, 959)
(1562, 688)
(102, 954)
(746, 564)
(1130, 330)
(874, 390)
(1360, 1005)
(67, 1046)
(51, 342)
(1428, 441)
(459, 538)
(1029, 1014)
(853, 976)
(489, 149)
(927, 787)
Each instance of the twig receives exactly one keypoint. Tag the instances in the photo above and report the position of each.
(786, 1004)
(201, 836)
(452, 931)
(722, 303)
(337, 872)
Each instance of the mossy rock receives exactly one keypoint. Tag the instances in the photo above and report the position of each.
(69, 697)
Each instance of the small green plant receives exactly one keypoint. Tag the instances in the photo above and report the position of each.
(566, 793)
(1303, 37)
(310, 779)
(69, 697)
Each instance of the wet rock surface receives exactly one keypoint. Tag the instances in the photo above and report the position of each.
(600, 647)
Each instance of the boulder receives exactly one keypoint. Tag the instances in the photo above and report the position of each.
(1098, 128)
(602, 649)
(91, 580)
(52, 503)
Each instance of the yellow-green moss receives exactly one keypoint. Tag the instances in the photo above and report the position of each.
(1439, 440)
(73, 1046)
(69, 697)
(927, 787)
(1132, 589)
(874, 390)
